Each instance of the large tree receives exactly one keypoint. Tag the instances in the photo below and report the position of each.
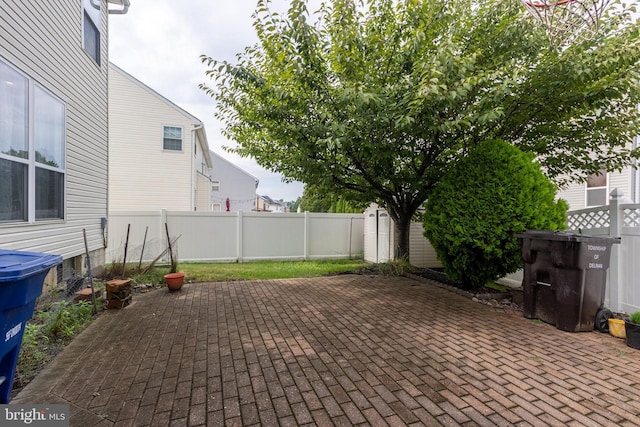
(374, 101)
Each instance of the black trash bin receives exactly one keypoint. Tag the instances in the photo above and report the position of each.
(564, 277)
(22, 275)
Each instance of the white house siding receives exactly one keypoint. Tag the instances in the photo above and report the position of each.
(43, 40)
(576, 195)
(421, 253)
(143, 176)
(235, 184)
(203, 187)
(201, 162)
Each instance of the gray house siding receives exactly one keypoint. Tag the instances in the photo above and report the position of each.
(43, 41)
(235, 184)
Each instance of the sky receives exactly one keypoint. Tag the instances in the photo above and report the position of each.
(159, 42)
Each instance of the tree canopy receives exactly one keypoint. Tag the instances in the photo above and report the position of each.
(375, 100)
(316, 199)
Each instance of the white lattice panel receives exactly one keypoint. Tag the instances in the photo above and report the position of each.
(589, 220)
(632, 217)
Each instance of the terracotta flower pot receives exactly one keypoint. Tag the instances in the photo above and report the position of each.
(174, 281)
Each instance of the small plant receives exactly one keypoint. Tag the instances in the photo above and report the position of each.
(51, 327)
(635, 317)
(33, 351)
(395, 268)
(620, 353)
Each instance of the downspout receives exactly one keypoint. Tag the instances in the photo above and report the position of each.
(195, 129)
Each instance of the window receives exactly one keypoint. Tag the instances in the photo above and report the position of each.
(215, 185)
(216, 207)
(32, 164)
(172, 138)
(90, 28)
(597, 189)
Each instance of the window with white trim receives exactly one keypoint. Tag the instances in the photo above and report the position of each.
(597, 189)
(172, 138)
(32, 149)
(91, 28)
(215, 185)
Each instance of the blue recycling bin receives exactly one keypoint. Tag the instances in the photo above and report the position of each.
(22, 275)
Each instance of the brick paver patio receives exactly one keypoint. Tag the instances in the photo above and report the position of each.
(343, 350)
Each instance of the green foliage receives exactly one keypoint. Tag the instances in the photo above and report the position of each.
(52, 326)
(33, 349)
(316, 199)
(481, 202)
(395, 268)
(64, 319)
(375, 100)
(635, 317)
(294, 205)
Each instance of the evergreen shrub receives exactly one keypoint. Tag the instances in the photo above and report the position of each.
(482, 201)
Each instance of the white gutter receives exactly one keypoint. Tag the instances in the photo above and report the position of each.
(125, 7)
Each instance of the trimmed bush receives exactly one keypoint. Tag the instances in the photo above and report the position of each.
(484, 199)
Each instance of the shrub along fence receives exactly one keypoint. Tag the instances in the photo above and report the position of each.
(234, 236)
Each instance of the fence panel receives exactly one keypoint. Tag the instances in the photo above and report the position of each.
(335, 235)
(273, 236)
(223, 236)
(138, 223)
(630, 271)
(204, 236)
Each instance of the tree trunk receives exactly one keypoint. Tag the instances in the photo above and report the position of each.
(401, 229)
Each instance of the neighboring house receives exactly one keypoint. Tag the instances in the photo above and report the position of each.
(158, 152)
(232, 189)
(53, 127)
(595, 192)
(267, 204)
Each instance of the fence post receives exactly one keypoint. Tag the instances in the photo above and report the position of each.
(240, 231)
(163, 221)
(306, 235)
(615, 266)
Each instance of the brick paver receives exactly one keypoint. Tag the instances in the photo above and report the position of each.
(343, 350)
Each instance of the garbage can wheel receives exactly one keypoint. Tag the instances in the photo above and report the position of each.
(602, 320)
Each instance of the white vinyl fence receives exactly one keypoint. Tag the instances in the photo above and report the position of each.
(234, 236)
(618, 219)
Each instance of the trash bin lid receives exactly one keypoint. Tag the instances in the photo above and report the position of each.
(17, 265)
(566, 236)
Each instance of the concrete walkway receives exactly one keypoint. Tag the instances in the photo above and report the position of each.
(343, 350)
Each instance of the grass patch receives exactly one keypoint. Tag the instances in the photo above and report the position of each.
(496, 286)
(259, 270)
